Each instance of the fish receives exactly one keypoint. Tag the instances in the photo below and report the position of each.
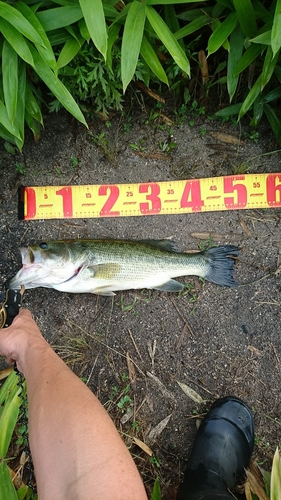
(104, 266)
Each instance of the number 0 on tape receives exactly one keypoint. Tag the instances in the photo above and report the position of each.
(233, 192)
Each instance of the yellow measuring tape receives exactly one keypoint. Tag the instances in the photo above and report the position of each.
(232, 192)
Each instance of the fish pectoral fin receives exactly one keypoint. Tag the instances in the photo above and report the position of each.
(105, 271)
(104, 291)
(170, 286)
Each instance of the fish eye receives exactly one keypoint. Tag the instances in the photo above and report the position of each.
(43, 245)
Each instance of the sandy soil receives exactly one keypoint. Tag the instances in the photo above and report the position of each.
(216, 341)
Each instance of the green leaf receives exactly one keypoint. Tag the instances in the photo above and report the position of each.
(156, 492)
(193, 26)
(268, 66)
(152, 60)
(246, 15)
(166, 2)
(95, 20)
(276, 29)
(19, 22)
(10, 79)
(168, 39)
(247, 58)
(7, 424)
(34, 125)
(236, 43)
(229, 111)
(113, 33)
(45, 50)
(17, 41)
(59, 17)
(222, 32)
(264, 38)
(4, 120)
(56, 86)
(68, 52)
(20, 111)
(251, 97)
(32, 106)
(7, 489)
(275, 483)
(131, 41)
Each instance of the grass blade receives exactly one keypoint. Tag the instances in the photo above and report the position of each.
(56, 86)
(7, 489)
(236, 48)
(247, 17)
(17, 41)
(222, 32)
(131, 41)
(168, 39)
(276, 29)
(95, 20)
(10, 79)
(275, 483)
(152, 60)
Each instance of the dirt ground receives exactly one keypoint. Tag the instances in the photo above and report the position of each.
(216, 341)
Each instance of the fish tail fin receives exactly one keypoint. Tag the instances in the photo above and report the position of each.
(221, 264)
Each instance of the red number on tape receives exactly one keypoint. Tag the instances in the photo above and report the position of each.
(66, 193)
(191, 196)
(152, 196)
(272, 188)
(111, 200)
(241, 192)
(30, 195)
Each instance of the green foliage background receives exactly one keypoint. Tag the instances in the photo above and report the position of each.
(93, 49)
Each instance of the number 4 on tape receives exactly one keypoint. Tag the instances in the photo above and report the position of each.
(232, 192)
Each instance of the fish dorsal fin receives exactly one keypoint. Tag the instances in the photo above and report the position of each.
(168, 245)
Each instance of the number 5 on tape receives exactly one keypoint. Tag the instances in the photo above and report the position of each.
(233, 192)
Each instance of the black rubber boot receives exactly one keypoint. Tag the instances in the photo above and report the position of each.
(222, 449)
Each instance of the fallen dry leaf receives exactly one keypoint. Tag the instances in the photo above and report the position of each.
(227, 138)
(191, 393)
(156, 431)
(255, 486)
(143, 446)
(161, 386)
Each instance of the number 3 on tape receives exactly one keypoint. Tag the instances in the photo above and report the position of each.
(233, 192)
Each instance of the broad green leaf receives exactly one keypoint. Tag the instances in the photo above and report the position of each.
(16, 40)
(170, 18)
(95, 20)
(4, 120)
(272, 96)
(14, 17)
(152, 60)
(264, 38)
(236, 42)
(166, 2)
(59, 36)
(84, 30)
(276, 29)
(193, 14)
(247, 58)
(22, 492)
(59, 17)
(20, 111)
(168, 39)
(131, 41)
(6, 135)
(10, 79)
(257, 111)
(229, 111)
(9, 388)
(45, 50)
(7, 424)
(32, 106)
(56, 86)
(246, 15)
(219, 36)
(68, 52)
(251, 97)
(7, 489)
(193, 26)
(275, 483)
(34, 125)
(113, 33)
(268, 67)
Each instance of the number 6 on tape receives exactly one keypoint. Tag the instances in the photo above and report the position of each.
(232, 192)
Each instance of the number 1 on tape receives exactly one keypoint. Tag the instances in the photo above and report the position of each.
(232, 192)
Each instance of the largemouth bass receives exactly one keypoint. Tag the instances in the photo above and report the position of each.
(105, 266)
